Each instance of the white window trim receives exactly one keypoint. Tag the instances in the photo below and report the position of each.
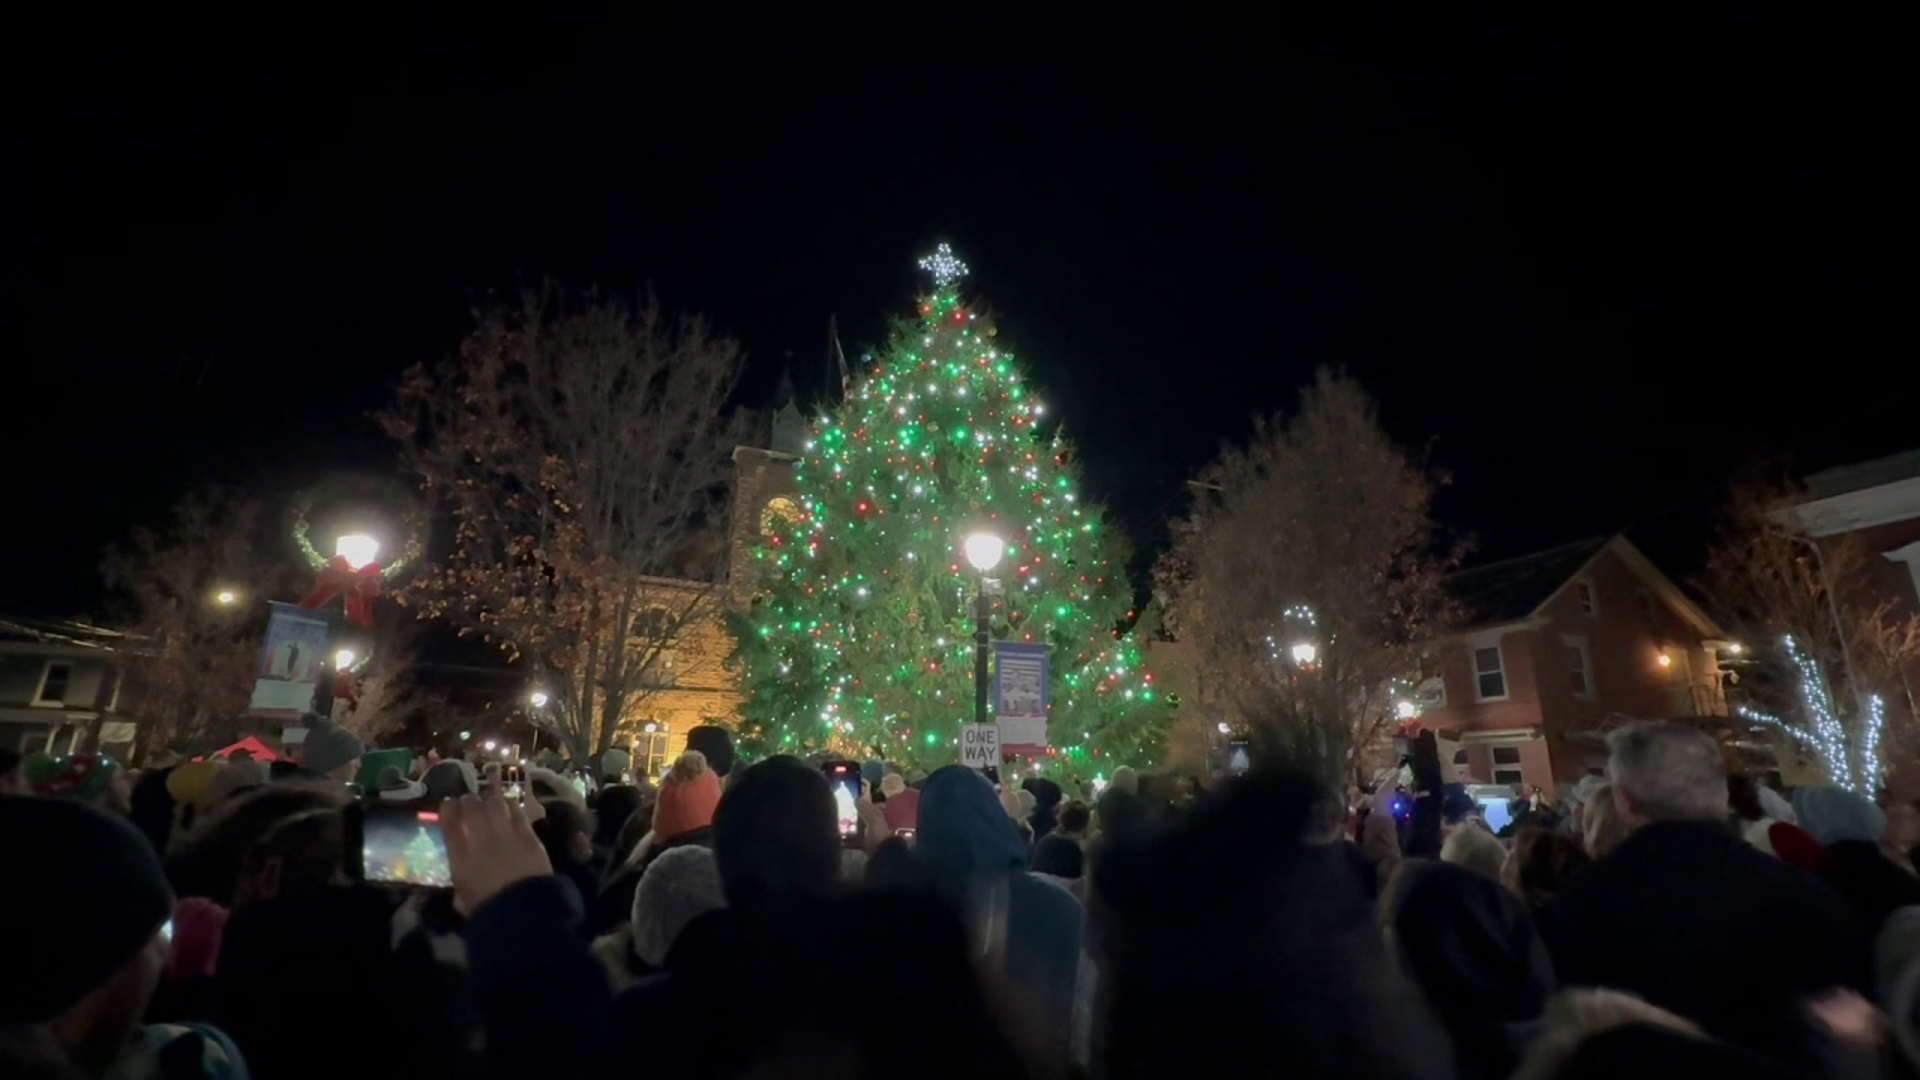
(1590, 607)
(39, 691)
(1573, 641)
(1473, 668)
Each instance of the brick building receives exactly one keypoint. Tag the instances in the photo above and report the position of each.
(1875, 504)
(694, 684)
(1562, 646)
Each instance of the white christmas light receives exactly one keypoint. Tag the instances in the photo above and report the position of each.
(944, 265)
(1852, 758)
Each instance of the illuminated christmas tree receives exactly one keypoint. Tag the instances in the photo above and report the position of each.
(860, 640)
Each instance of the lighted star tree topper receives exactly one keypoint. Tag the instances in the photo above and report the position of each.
(861, 639)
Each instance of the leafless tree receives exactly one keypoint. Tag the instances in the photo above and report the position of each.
(386, 694)
(192, 603)
(1770, 580)
(581, 453)
(1317, 535)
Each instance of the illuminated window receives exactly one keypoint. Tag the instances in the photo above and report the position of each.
(651, 749)
(780, 512)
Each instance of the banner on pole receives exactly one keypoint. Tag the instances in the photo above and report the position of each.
(290, 663)
(1020, 696)
(980, 746)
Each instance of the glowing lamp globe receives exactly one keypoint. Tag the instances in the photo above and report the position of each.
(343, 659)
(1304, 653)
(539, 699)
(358, 549)
(984, 551)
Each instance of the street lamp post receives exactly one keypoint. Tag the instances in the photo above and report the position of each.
(983, 551)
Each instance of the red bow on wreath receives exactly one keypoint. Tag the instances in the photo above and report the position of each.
(360, 587)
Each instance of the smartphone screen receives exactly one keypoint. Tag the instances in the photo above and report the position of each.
(403, 846)
(513, 782)
(1239, 757)
(844, 776)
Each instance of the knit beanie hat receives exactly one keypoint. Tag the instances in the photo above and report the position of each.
(237, 777)
(190, 784)
(395, 787)
(716, 743)
(688, 796)
(615, 763)
(92, 889)
(892, 784)
(1795, 847)
(871, 770)
(76, 776)
(1834, 814)
(680, 885)
(450, 780)
(328, 746)
(198, 926)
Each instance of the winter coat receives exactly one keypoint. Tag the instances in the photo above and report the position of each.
(1692, 918)
(977, 859)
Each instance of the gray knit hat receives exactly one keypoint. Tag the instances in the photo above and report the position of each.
(328, 746)
(680, 885)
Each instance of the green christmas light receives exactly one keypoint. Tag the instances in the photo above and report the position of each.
(869, 637)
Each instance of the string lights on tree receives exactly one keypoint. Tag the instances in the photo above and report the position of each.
(861, 641)
(1848, 747)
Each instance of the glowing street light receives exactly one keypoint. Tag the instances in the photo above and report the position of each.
(358, 549)
(1404, 709)
(1304, 653)
(1666, 660)
(539, 699)
(226, 598)
(490, 744)
(343, 659)
(984, 550)
(1223, 727)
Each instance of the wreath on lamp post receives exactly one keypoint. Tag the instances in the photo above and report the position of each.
(358, 581)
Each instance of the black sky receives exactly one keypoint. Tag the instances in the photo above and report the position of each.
(1589, 261)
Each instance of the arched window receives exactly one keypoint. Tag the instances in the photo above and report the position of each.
(780, 512)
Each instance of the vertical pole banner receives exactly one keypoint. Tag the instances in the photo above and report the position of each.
(290, 663)
(1020, 696)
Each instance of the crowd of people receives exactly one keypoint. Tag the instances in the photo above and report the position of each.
(214, 919)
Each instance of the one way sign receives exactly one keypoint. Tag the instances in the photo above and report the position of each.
(980, 746)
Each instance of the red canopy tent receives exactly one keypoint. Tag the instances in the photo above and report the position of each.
(252, 746)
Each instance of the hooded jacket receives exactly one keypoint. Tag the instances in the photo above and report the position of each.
(976, 857)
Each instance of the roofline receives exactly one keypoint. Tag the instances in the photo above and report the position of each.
(1498, 563)
(1636, 561)
(1662, 585)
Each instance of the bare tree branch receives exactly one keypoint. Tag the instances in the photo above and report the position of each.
(190, 658)
(1318, 533)
(1769, 579)
(582, 456)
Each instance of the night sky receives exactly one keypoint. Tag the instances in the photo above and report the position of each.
(1589, 265)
